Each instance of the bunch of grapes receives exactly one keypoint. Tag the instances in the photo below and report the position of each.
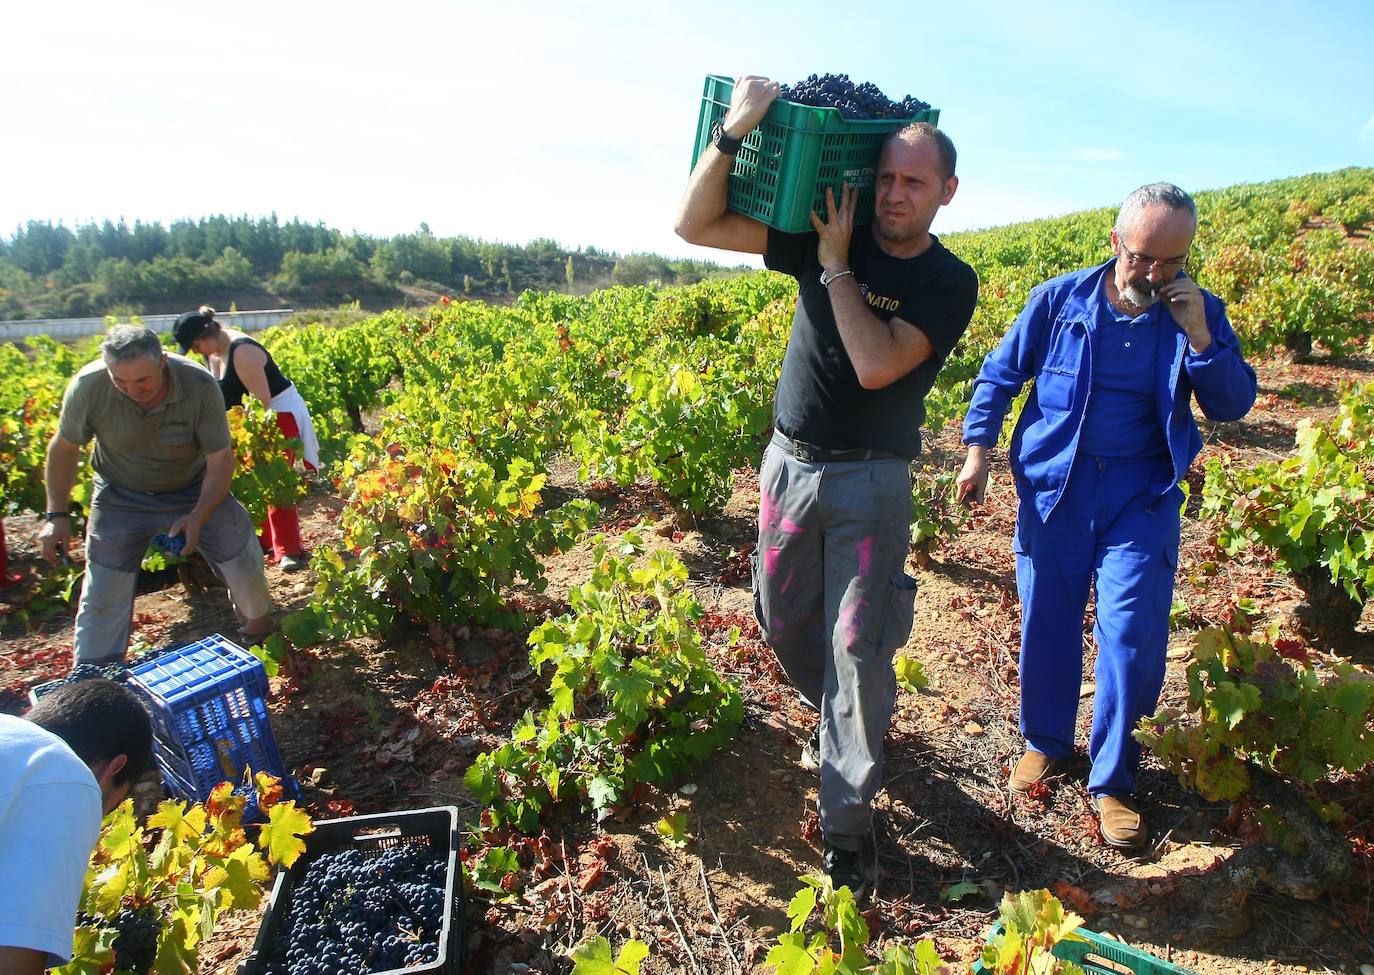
(862, 101)
(115, 671)
(170, 544)
(135, 943)
(150, 654)
(352, 914)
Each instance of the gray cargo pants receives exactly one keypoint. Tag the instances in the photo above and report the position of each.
(834, 602)
(121, 525)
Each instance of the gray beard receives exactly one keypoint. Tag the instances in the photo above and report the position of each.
(1139, 297)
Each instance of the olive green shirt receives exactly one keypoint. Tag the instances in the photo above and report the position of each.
(161, 450)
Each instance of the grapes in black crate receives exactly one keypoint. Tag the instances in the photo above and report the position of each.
(861, 101)
(350, 913)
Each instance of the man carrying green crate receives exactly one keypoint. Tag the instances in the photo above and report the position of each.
(163, 463)
(878, 312)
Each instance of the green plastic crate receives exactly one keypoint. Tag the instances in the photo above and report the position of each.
(785, 165)
(1100, 955)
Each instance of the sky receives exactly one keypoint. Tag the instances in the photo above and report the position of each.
(575, 121)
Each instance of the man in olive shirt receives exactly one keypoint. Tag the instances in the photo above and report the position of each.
(163, 461)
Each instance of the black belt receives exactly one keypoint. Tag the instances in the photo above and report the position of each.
(811, 454)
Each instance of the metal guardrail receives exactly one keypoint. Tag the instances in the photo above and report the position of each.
(70, 328)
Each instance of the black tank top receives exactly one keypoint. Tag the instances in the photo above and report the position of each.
(232, 387)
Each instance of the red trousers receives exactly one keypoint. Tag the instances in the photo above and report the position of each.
(281, 535)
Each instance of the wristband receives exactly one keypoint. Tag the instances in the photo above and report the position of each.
(827, 279)
(50, 515)
(725, 144)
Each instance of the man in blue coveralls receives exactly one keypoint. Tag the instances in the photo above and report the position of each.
(1117, 352)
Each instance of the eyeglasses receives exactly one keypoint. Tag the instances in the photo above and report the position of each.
(1167, 265)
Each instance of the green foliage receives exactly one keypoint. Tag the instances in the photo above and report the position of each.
(1269, 703)
(633, 698)
(594, 958)
(1314, 510)
(36, 375)
(839, 946)
(935, 510)
(264, 477)
(191, 864)
(435, 536)
(1031, 924)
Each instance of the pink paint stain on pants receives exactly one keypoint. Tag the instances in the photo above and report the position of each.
(851, 621)
(766, 508)
(865, 556)
(770, 560)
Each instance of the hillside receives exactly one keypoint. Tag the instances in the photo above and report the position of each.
(51, 271)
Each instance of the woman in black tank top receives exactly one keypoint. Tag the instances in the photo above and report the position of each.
(244, 367)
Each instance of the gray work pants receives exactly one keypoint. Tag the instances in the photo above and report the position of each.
(834, 602)
(121, 525)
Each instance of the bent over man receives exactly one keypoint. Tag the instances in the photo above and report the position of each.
(163, 462)
(878, 311)
(76, 757)
(1117, 352)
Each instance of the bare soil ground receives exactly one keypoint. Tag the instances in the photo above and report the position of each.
(389, 725)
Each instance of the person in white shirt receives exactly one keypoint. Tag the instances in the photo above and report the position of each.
(75, 758)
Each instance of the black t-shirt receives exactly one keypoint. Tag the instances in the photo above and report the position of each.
(232, 386)
(819, 400)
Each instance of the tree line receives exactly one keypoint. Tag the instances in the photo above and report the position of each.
(49, 270)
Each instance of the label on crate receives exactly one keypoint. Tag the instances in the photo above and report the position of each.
(225, 750)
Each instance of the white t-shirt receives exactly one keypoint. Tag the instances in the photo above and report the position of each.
(49, 822)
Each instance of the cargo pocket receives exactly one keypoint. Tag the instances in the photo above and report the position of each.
(901, 613)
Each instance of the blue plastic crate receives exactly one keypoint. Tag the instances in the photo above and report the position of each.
(208, 702)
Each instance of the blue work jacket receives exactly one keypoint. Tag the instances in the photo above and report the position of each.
(1051, 342)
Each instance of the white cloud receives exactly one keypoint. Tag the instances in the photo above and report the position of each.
(1367, 133)
(1096, 154)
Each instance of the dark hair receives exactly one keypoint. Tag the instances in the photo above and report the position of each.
(193, 325)
(917, 131)
(99, 719)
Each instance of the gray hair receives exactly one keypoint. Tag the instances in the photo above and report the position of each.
(126, 342)
(1149, 195)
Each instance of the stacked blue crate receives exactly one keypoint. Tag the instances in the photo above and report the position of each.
(208, 702)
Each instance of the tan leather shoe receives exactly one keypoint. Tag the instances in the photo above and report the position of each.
(1121, 823)
(1033, 767)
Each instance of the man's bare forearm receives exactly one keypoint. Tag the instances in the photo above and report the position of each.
(214, 488)
(879, 353)
(59, 472)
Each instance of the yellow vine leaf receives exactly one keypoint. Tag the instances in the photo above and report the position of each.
(281, 836)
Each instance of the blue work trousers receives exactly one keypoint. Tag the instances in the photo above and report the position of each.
(1106, 533)
(834, 602)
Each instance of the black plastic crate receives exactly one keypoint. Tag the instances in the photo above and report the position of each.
(373, 835)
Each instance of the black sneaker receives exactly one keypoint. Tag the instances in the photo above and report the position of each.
(811, 752)
(846, 868)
